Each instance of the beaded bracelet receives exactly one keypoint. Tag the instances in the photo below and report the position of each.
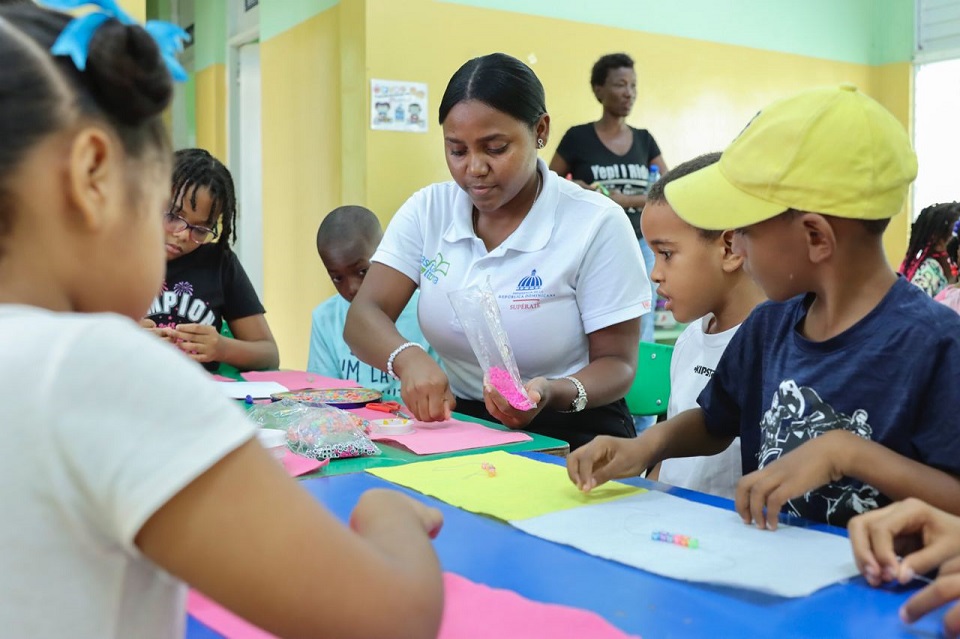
(397, 351)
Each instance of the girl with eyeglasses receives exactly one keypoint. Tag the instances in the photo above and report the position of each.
(205, 282)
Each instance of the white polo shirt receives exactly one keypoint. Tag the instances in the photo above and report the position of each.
(572, 267)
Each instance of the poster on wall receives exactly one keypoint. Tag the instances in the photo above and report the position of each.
(398, 106)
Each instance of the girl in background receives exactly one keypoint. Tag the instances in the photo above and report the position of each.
(928, 265)
(205, 282)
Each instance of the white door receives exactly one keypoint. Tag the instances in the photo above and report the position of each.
(246, 160)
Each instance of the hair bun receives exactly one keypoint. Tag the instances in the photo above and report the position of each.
(127, 74)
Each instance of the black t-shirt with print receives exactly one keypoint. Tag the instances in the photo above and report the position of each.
(591, 161)
(205, 286)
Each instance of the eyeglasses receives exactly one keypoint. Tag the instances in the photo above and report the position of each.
(176, 224)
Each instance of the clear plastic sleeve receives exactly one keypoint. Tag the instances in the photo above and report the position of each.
(476, 308)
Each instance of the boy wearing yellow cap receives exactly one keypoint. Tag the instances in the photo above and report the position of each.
(842, 396)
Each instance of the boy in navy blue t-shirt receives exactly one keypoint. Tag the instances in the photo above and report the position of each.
(844, 388)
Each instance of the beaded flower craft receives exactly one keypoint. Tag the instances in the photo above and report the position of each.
(339, 397)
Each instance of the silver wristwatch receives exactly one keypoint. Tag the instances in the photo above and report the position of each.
(580, 401)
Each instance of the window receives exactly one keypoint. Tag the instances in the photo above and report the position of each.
(938, 29)
(937, 132)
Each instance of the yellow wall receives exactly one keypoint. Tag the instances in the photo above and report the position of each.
(211, 110)
(893, 87)
(319, 152)
(301, 173)
(695, 96)
(354, 112)
(136, 8)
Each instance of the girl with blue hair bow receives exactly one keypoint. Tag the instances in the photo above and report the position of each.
(117, 494)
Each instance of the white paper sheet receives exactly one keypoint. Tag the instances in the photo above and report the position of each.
(789, 562)
(256, 390)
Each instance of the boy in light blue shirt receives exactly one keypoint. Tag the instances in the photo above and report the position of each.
(346, 239)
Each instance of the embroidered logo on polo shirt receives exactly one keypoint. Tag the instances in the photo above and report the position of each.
(433, 269)
(528, 294)
(532, 282)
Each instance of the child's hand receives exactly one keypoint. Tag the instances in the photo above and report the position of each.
(200, 341)
(501, 410)
(606, 458)
(163, 332)
(945, 589)
(923, 535)
(381, 502)
(926, 537)
(762, 493)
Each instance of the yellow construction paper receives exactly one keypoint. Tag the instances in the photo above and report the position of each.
(521, 488)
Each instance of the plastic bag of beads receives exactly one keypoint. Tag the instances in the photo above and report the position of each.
(479, 315)
(317, 432)
(278, 415)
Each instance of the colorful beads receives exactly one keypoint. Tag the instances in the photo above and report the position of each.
(680, 540)
(516, 396)
(489, 468)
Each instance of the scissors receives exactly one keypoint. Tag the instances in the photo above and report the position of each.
(395, 408)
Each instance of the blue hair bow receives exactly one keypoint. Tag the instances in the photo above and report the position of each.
(74, 40)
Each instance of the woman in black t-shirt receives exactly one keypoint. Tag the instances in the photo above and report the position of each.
(612, 157)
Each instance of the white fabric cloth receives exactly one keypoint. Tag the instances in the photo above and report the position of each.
(572, 267)
(695, 357)
(103, 424)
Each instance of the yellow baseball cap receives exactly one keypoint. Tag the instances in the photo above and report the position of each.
(830, 150)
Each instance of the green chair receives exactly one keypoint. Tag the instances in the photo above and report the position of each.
(226, 370)
(650, 391)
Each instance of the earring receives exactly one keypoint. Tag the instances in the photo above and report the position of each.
(539, 143)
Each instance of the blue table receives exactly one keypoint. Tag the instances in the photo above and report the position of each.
(491, 552)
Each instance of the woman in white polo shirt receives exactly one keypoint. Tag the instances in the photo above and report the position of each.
(562, 261)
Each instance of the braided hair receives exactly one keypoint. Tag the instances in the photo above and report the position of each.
(195, 169)
(935, 224)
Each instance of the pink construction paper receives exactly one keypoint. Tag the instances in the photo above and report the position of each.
(298, 380)
(475, 611)
(221, 378)
(297, 465)
(471, 611)
(429, 438)
(221, 620)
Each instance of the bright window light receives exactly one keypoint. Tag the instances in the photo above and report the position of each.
(937, 133)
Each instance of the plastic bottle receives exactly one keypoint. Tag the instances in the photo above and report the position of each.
(653, 176)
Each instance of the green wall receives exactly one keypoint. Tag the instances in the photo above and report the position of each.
(858, 31)
(210, 31)
(276, 16)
